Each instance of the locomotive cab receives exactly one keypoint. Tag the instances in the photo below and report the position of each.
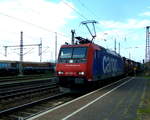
(72, 66)
(73, 55)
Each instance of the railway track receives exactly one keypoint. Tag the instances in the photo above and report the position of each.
(19, 94)
(26, 93)
(5, 94)
(6, 86)
(30, 109)
(22, 78)
(23, 101)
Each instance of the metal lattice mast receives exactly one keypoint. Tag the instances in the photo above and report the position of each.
(21, 55)
(21, 46)
(55, 47)
(40, 50)
(147, 50)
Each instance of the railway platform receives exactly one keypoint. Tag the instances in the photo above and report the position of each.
(117, 101)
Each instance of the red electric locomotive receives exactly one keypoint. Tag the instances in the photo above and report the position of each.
(87, 64)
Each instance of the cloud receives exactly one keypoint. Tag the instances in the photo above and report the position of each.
(47, 14)
(146, 14)
(37, 19)
(129, 24)
(130, 34)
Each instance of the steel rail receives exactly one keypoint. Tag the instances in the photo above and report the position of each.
(31, 90)
(11, 90)
(29, 104)
(23, 80)
(18, 83)
(16, 79)
(25, 76)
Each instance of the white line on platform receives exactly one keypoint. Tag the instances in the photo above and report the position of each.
(36, 116)
(95, 100)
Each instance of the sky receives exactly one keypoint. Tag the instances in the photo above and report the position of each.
(41, 20)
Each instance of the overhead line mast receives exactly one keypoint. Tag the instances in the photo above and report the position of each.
(147, 50)
(21, 55)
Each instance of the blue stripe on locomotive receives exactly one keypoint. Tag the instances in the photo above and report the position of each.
(107, 64)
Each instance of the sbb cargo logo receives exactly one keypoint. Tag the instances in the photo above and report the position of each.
(109, 64)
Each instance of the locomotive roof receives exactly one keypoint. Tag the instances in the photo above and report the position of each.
(76, 45)
(94, 45)
(112, 52)
(83, 45)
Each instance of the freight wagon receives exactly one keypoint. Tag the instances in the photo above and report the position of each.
(12, 67)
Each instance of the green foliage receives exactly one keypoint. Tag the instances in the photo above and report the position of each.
(144, 107)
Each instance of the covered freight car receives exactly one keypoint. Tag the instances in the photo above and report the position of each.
(35, 67)
(12, 67)
(131, 67)
(8, 68)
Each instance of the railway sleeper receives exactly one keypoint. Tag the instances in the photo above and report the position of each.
(26, 99)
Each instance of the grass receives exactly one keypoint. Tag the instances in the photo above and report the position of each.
(147, 77)
(143, 112)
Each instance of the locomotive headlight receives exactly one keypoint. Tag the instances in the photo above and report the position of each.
(60, 72)
(81, 73)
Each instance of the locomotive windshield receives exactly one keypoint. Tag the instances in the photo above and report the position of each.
(66, 52)
(78, 54)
